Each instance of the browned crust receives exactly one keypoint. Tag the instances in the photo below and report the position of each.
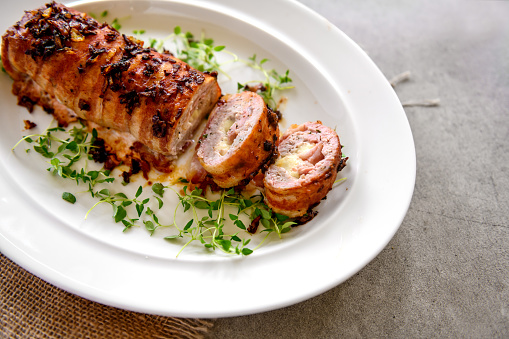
(296, 199)
(104, 76)
(257, 149)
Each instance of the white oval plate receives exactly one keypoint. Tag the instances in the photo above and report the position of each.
(335, 82)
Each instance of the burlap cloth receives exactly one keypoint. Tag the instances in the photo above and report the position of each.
(33, 308)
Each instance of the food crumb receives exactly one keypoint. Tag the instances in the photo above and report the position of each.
(29, 124)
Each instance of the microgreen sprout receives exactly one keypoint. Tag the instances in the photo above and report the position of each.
(199, 53)
(64, 154)
(272, 82)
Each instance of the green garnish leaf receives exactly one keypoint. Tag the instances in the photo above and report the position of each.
(189, 223)
(72, 146)
(149, 225)
(265, 214)
(160, 202)
(202, 205)
(119, 213)
(139, 191)
(286, 229)
(106, 192)
(240, 224)
(172, 237)
(158, 189)
(69, 197)
(115, 24)
(246, 251)
(139, 209)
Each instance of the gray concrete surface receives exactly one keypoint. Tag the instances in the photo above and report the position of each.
(445, 274)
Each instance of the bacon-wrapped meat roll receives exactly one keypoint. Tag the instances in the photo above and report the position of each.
(239, 139)
(103, 76)
(307, 165)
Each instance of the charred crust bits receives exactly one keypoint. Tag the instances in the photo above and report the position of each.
(213, 73)
(132, 48)
(48, 109)
(269, 160)
(27, 102)
(149, 70)
(84, 105)
(113, 73)
(111, 36)
(279, 114)
(267, 146)
(135, 168)
(342, 163)
(29, 124)
(152, 92)
(54, 28)
(259, 87)
(126, 176)
(310, 214)
(94, 53)
(137, 165)
(98, 152)
(131, 100)
(272, 117)
(194, 77)
(102, 153)
(254, 225)
(159, 127)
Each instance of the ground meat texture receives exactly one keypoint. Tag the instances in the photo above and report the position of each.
(305, 170)
(105, 77)
(240, 137)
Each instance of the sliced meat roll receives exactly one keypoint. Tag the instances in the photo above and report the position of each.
(306, 168)
(240, 137)
(106, 77)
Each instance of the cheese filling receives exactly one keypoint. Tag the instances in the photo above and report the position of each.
(224, 144)
(292, 161)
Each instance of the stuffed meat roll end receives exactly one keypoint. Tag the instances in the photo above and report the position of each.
(240, 138)
(305, 170)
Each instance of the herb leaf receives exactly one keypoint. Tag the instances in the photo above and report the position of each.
(69, 197)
